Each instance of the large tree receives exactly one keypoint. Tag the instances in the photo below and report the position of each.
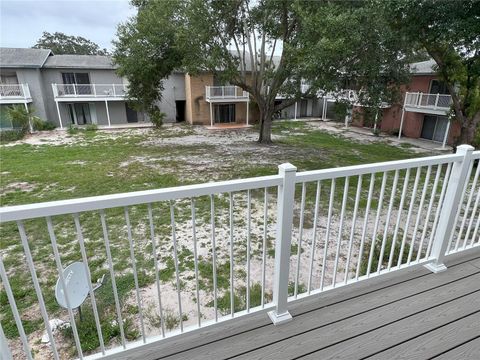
(265, 47)
(61, 43)
(449, 31)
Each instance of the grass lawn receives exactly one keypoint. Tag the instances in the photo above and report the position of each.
(102, 162)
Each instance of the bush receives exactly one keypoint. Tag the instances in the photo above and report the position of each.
(157, 117)
(11, 135)
(20, 117)
(91, 127)
(42, 125)
(72, 130)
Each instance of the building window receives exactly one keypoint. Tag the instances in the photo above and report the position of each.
(438, 87)
(224, 113)
(80, 83)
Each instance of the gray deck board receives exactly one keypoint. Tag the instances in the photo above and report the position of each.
(437, 341)
(470, 350)
(389, 313)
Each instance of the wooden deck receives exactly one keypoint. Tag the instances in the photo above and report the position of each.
(412, 315)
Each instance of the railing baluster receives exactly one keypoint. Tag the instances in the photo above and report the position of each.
(419, 214)
(439, 206)
(38, 290)
(459, 210)
(365, 225)
(469, 203)
(377, 222)
(175, 257)
(476, 231)
(430, 205)
(249, 218)
(195, 261)
(300, 236)
(352, 231)
(399, 216)
(340, 230)
(409, 215)
(89, 279)
(58, 262)
(327, 232)
(5, 352)
(474, 210)
(135, 275)
(13, 306)
(155, 262)
(314, 240)
(214, 256)
(112, 277)
(232, 294)
(387, 220)
(264, 245)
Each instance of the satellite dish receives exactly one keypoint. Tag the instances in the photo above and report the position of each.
(77, 287)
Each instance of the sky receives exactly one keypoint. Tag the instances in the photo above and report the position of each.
(22, 22)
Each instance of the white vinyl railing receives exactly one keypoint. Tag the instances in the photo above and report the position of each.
(238, 247)
(225, 92)
(89, 90)
(428, 101)
(14, 91)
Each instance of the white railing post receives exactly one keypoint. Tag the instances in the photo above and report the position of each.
(74, 90)
(286, 193)
(114, 93)
(446, 223)
(436, 100)
(420, 100)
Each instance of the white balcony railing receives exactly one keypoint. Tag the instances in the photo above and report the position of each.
(213, 93)
(214, 240)
(428, 101)
(14, 92)
(89, 90)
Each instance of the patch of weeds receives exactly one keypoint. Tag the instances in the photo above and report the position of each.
(291, 288)
(224, 305)
(172, 320)
(376, 255)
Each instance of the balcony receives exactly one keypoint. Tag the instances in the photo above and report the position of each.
(15, 94)
(89, 92)
(438, 104)
(225, 94)
(367, 261)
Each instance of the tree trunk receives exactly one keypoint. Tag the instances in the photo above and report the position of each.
(265, 136)
(468, 130)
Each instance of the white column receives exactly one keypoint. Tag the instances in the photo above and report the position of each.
(376, 119)
(446, 223)
(108, 113)
(211, 115)
(324, 108)
(248, 102)
(285, 206)
(59, 116)
(446, 134)
(401, 123)
(30, 126)
(295, 110)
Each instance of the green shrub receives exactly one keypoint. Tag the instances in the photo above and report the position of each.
(91, 127)
(11, 135)
(42, 125)
(156, 117)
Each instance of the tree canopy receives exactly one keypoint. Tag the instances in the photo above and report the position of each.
(449, 31)
(61, 43)
(274, 47)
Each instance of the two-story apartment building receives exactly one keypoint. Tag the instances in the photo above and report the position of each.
(423, 112)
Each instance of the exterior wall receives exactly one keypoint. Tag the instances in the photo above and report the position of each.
(97, 76)
(33, 78)
(197, 110)
(173, 90)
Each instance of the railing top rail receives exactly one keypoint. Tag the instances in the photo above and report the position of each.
(374, 168)
(91, 84)
(12, 85)
(52, 208)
